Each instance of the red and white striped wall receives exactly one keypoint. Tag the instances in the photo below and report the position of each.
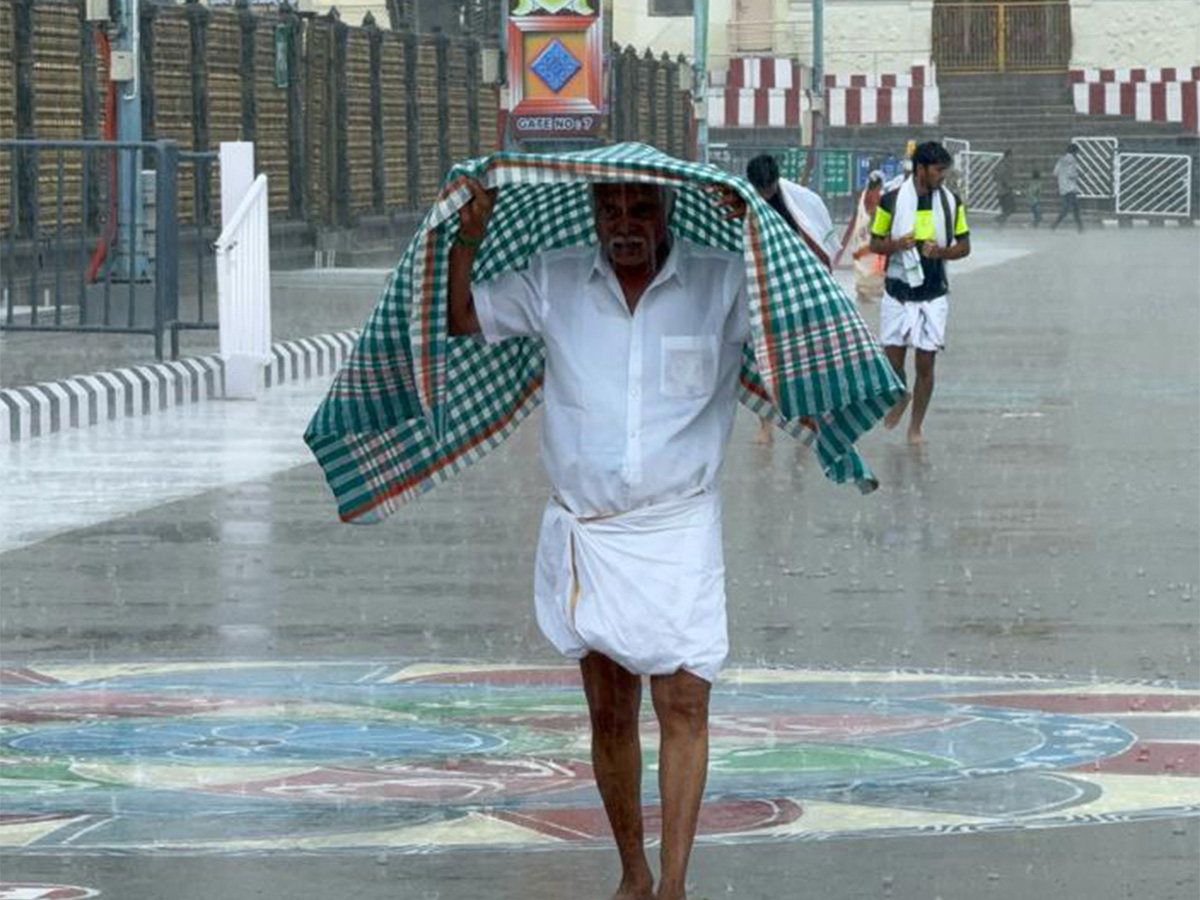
(917, 76)
(882, 106)
(758, 72)
(1137, 75)
(760, 92)
(1158, 101)
(756, 107)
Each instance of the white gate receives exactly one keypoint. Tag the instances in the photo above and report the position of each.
(1154, 184)
(955, 146)
(977, 180)
(1097, 161)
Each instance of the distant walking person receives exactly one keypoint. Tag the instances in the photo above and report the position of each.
(1035, 198)
(1006, 185)
(918, 226)
(868, 266)
(1066, 170)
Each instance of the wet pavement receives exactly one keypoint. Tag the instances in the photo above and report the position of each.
(984, 675)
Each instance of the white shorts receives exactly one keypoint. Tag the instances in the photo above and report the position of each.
(921, 325)
(646, 588)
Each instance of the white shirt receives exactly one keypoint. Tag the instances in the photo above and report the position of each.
(1067, 172)
(639, 406)
(811, 214)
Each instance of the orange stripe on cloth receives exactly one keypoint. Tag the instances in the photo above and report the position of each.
(760, 275)
(367, 505)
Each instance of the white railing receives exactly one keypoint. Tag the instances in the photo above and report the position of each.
(978, 183)
(244, 292)
(1154, 184)
(1097, 167)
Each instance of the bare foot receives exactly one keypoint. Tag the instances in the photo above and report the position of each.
(640, 891)
(915, 438)
(896, 413)
(765, 435)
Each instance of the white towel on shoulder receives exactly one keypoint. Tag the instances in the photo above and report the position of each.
(906, 266)
(811, 214)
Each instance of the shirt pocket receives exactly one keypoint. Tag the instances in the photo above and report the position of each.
(689, 365)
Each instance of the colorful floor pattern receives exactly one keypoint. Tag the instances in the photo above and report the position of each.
(422, 757)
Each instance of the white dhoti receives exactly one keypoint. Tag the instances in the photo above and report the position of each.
(646, 588)
(920, 324)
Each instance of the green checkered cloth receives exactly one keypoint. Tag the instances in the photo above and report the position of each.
(413, 405)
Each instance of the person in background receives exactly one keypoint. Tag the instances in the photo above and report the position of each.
(804, 212)
(1066, 170)
(801, 208)
(1006, 186)
(1035, 198)
(868, 265)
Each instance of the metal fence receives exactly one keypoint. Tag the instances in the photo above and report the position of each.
(91, 239)
(1028, 36)
(977, 180)
(195, 307)
(1154, 184)
(1097, 165)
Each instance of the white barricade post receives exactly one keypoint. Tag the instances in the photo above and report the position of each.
(243, 274)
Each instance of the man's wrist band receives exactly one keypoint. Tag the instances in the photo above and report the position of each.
(473, 243)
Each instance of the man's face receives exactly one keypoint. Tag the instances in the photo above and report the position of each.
(630, 223)
(934, 176)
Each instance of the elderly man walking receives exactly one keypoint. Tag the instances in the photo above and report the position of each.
(641, 391)
(571, 283)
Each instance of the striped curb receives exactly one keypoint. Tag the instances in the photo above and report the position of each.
(1148, 223)
(34, 410)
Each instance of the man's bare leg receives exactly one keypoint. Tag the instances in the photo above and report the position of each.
(922, 391)
(765, 433)
(614, 697)
(896, 356)
(681, 703)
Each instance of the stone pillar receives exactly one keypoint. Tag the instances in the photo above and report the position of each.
(378, 172)
(413, 131)
(148, 15)
(650, 78)
(443, 103)
(473, 79)
(90, 116)
(23, 160)
(248, 22)
(341, 126)
(198, 17)
(297, 160)
(672, 71)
